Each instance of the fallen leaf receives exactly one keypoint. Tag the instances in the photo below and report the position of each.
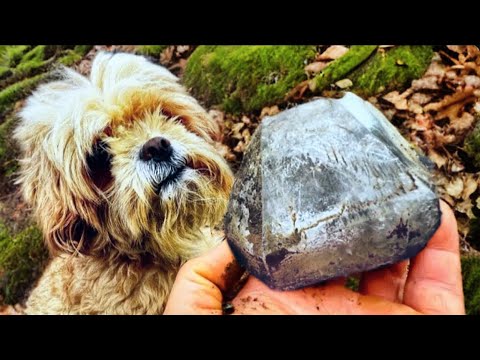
(333, 52)
(438, 159)
(236, 130)
(240, 148)
(269, 111)
(457, 48)
(465, 207)
(470, 184)
(315, 67)
(167, 55)
(451, 99)
(344, 83)
(246, 136)
(455, 187)
(420, 98)
(426, 83)
(397, 100)
(473, 81)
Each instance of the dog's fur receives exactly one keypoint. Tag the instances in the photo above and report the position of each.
(117, 236)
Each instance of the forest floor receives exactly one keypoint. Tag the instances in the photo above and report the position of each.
(437, 113)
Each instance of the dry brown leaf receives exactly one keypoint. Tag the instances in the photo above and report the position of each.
(455, 187)
(438, 159)
(473, 81)
(246, 120)
(240, 148)
(477, 202)
(297, 92)
(236, 130)
(246, 136)
(315, 67)
(457, 48)
(460, 96)
(455, 165)
(436, 68)
(167, 55)
(397, 100)
(421, 98)
(333, 52)
(465, 207)
(426, 83)
(182, 48)
(344, 83)
(269, 111)
(462, 123)
(470, 185)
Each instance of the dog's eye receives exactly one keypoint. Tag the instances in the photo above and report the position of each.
(99, 165)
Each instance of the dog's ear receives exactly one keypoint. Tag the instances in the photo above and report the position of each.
(67, 220)
(52, 172)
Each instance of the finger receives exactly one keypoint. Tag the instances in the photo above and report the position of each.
(434, 282)
(197, 287)
(331, 298)
(387, 283)
(218, 266)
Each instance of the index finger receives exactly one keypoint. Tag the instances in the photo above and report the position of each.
(434, 283)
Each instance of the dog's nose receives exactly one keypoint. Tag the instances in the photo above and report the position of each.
(157, 149)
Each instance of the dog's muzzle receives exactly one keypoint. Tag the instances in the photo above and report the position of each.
(159, 154)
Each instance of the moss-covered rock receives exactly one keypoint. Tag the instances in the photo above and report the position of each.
(10, 55)
(340, 68)
(472, 145)
(471, 283)
(23, 257)
(8, 158)
(151, 50)
(391, 69)
(71, 56)
(245, 78)
(16, 91)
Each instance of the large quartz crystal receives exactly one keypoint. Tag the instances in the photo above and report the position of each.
(327, 189)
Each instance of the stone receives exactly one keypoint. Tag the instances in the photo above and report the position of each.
(328, 189)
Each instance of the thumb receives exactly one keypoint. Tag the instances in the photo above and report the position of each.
(201, 281)
(218, 266)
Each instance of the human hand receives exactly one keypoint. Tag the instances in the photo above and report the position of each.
(430, 283)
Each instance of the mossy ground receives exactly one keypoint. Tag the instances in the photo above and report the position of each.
(340, 68)
(471, 284)
(391, 69)
(472, 145)
(22, 259)
(245, 78)
(151, 50)
(22, 253)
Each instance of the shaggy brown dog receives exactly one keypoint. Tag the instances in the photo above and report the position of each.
(125, 182)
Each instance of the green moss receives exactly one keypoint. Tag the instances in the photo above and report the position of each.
(31, 61)
(8, 153)
(245, 78)
(353, 283)
(82, 49)
(11, 55)
(391, 69)
(70, 56)
(471, 283)
(14, 92)
(23, 257)
(341, 67)
(4, 72)
(151, 50)
(472, 145)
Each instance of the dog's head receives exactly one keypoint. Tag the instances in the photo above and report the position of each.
(123, 160)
